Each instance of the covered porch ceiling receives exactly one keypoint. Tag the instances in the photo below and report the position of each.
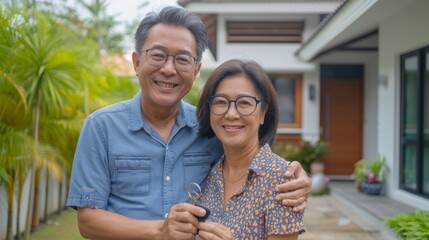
(352, 23)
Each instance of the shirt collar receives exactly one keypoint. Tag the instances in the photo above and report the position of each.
(260, 159)
(258, 162)
(137, 121)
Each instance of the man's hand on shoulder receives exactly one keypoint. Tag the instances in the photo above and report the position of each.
(295, 192)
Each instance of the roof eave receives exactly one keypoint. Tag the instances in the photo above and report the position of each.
(348, 13)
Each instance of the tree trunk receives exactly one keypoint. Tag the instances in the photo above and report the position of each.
(35, 220)
(10, 197)
(45, 214)
(18, 218)
(31, 203)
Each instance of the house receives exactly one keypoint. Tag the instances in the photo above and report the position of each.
(353, 72)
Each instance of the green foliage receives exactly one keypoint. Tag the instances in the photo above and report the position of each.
(49, 71)
(4, 177)
(306, 153)
(193, 94)
(410, 226)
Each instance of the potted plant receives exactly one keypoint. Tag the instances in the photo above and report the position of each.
(368, 175)
(305, 153)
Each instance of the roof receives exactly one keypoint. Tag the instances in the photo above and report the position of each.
(352, 20)
(118, 65)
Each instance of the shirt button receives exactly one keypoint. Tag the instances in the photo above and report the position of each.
(167, 178)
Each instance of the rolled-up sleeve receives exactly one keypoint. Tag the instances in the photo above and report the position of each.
(90, 179)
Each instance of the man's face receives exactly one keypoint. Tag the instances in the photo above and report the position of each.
(165, 86)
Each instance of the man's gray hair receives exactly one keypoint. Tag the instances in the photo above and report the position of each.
(172, 15)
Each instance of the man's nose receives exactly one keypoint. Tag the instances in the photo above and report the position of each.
(169, 64)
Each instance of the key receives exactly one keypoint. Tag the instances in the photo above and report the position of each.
(194, 192)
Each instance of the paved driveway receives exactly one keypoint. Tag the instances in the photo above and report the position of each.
(327, 218)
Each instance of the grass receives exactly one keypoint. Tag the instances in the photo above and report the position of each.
(63, 226)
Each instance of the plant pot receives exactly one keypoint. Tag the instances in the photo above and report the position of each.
(372, 188)
(317, 167)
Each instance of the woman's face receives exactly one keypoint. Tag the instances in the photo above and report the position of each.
(232, 128)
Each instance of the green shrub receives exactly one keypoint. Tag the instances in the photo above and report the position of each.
(414, 225)
(305, 152)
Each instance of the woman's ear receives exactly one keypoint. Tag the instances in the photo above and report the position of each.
(263, 114)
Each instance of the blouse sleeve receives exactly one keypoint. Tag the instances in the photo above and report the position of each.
(280, 219)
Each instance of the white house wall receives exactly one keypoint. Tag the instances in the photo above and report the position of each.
(274, 57)
(400, 33)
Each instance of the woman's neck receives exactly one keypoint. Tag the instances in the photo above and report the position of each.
(237, 160)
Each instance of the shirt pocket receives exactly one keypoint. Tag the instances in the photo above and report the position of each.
(197, 166)
(133, 174)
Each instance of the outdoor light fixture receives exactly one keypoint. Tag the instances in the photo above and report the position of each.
(312, 92)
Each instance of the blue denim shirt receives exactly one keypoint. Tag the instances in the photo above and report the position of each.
(124, 166)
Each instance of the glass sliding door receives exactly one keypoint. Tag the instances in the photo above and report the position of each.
(414, 144)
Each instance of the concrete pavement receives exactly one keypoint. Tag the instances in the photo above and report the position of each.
(327, 218)
(348, 214)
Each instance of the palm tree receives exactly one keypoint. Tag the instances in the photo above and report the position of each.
(41, 76)
(17, 152)
(48, 65)
(100, 26)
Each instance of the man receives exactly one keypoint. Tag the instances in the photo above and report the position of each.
(135, 158)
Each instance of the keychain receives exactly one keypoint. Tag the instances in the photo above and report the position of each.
(194, 192)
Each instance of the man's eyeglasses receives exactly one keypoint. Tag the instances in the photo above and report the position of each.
(182, 62)
(245, 105)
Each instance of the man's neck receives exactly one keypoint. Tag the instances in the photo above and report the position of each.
(162, 119)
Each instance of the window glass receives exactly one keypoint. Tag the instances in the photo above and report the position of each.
(409, 167)
(410, 84)
(285, 88)
(426, 170)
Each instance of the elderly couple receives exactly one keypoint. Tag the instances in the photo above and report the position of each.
(135, 159)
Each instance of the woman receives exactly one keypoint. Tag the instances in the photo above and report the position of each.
(239, 105)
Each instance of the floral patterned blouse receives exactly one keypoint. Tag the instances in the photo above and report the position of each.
(253, 212)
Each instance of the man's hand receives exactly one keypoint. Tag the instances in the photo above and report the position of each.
(295, 192)
(213, 230)
(181, 222)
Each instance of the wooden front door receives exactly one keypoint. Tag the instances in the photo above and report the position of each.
(341, 116)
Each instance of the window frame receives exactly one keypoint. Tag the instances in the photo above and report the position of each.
(297, 123)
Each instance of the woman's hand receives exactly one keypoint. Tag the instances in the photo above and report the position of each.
(213, 231)
(295, 192)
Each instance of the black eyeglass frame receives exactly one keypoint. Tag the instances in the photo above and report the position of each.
(235, 103)
(174, 59)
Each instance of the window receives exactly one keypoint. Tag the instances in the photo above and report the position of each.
(414, 171)
(289, 92)
(264, 31)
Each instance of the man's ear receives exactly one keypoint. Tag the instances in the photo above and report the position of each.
(197, 70)
(136, 62)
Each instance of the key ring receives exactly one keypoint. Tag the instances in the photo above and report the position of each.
(194, 190)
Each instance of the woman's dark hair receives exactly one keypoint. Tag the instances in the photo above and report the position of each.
(172, 15)
(263, 86)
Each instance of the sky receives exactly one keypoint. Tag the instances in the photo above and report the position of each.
(128, 10)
